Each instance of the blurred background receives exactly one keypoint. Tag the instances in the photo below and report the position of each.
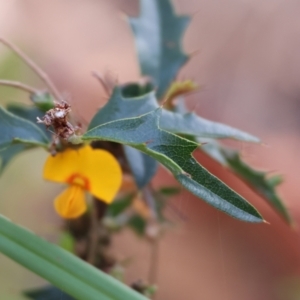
(246, 58)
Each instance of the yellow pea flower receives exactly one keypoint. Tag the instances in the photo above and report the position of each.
(85, 169)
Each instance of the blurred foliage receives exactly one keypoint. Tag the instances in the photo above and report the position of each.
(141, 133)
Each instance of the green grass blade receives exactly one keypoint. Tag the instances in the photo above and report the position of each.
(59, 267)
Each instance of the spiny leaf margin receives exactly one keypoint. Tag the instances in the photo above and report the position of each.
(255, 179)
(158, 34)
(175, 153)
(121, 107)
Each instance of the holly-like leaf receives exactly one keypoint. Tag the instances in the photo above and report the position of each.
(132, 100)
(158, 34)
(257, 180)
(124, 104)
(18, 130)
(129, 101)
(47, 293)
(174, 152)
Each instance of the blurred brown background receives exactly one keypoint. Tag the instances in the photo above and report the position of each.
(249, 68)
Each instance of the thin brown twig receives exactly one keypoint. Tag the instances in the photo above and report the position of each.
(154, 261)
(102, 82)
(18, 85)
(44, 77)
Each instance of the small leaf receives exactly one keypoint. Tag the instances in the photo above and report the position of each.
(47, 293)
(275, 180)
(16, 129)
(42, 100)
(143, 167)
(174, 153)
(119, 205)
(138, 224)
(64, 270)
(158, 33)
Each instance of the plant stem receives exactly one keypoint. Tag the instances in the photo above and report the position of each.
(44, 77)
(102, 82)
(18, 85)
(93, 236)
(153, 270)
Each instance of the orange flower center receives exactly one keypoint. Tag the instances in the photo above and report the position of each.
(79, 180)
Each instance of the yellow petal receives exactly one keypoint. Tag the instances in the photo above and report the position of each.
(98, 167)
(71, 202)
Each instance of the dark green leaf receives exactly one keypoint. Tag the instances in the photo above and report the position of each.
(257, 180)
(143, 167)
(16, 129)
(134, 105)
(158, 34)
(42, 100)
(138, 224)
(174, 153)
(119, 205)
(64, 270)
(47, 293)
